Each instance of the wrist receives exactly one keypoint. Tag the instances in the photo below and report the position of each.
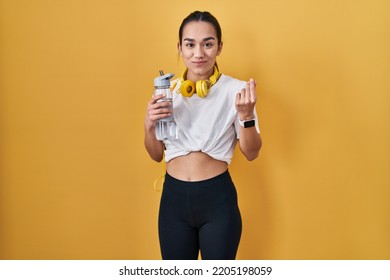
(247, 122)
(149, 125)
(246, 117)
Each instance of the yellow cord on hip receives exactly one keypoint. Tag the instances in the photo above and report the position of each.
(159, 182)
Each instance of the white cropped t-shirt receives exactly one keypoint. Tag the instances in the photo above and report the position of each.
(209, 124)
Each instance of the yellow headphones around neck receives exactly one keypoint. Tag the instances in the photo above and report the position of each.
(201, 87)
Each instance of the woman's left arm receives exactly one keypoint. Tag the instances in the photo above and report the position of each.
(250, 140)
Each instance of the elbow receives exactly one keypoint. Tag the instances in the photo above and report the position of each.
(252, 156)
(155, 155)
(254, 152)
(155, 151)
(157, 158)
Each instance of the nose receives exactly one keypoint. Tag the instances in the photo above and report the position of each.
(198, 52)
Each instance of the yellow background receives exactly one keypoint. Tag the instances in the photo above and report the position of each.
(75, 77)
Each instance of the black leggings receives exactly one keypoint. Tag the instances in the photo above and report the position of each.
(201, 215)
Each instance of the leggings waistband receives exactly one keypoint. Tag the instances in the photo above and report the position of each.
(173, 182)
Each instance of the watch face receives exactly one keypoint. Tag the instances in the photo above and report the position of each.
(249, 123)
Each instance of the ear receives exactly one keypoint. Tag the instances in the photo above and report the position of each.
(220, 48)
(179, 49)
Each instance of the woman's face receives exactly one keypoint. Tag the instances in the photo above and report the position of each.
(199, 49)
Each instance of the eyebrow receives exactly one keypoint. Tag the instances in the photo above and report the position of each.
(193, 40)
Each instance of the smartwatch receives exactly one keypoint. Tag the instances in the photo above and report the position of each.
(247, 123)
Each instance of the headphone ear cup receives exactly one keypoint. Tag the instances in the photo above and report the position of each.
(187, 88)
(202, 88)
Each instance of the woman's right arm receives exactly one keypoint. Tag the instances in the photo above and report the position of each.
(155, 111)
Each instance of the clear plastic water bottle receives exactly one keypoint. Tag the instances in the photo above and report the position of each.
(166, 129)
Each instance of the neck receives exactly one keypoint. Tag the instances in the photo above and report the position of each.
(194, 77)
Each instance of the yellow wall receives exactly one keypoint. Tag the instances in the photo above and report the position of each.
(75, 77)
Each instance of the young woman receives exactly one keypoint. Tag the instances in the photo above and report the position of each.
(198, 209)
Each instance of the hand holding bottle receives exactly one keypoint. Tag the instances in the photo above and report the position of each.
(158, 108)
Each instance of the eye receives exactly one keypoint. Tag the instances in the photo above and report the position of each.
(208, 45)
(190, 45)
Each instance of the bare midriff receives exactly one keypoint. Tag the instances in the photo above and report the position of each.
(195, 166)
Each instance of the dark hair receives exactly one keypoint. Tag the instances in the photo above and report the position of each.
(201, 16)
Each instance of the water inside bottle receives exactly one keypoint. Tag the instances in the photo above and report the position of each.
(166, 130)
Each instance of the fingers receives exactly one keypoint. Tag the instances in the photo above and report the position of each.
(247, 94)
(158, 109)
(252, 90)
(246, 100)
(156, 98)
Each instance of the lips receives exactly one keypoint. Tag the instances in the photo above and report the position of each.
(199, 63)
